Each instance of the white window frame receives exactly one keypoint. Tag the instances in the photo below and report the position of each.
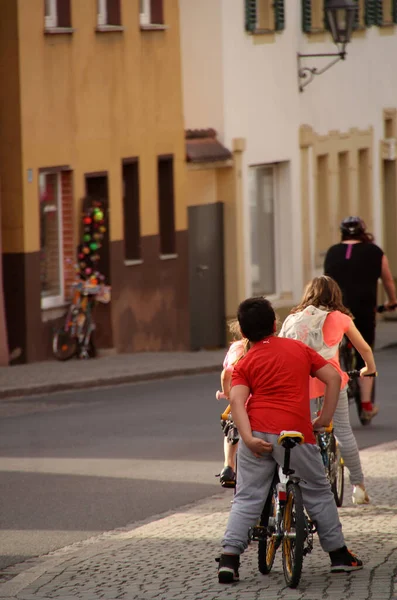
(59, 300)
(145, 17)
(51, 14)
(102, 13)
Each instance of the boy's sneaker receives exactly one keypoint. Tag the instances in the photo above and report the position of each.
(227, 478)
(228, 568)
(344, 561)
(359, 495)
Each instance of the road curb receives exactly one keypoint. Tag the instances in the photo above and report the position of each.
(35, 390)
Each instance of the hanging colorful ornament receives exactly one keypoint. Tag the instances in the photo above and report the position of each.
(87, 237)
(102, 229)
(88, 271)
(98, 215)
(93, 246)
(86, 250)
(81, 255)
(87, 220)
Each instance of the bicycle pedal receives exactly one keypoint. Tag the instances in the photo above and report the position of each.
(258, 533)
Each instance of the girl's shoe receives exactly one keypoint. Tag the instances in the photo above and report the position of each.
(368, 415)
(359, 495)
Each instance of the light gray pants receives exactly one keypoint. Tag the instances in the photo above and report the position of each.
(254, 478)
(347, 442)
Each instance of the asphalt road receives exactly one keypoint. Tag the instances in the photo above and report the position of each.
(73, 465)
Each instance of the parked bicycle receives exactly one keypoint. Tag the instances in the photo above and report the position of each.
(284, 520)
(75, 338)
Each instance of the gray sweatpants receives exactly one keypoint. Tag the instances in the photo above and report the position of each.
(347, 442)
(254, 478)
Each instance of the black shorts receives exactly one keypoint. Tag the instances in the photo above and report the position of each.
(366, 325)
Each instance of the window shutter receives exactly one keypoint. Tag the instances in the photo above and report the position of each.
(356, 23)
(250, 15)
(63, 12)
(370, 12)
(113, 12)
(379, 13)
(394, 9)
(279, 15)
(307, 16)
(156, 12)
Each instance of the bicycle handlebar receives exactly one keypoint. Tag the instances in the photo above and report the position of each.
(355, 374)
(382, 308)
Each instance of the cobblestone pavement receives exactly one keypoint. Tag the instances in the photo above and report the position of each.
(171, 557)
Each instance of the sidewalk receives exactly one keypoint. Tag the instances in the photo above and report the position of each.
(171, 557)
(51, 376)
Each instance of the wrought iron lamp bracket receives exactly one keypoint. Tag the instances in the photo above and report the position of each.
(307, 74)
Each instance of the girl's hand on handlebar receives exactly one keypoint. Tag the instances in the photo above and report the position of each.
(258, 446)
(319, 424)
(220, 395)
(365, 372)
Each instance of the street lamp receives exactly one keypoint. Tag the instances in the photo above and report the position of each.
(340, 16)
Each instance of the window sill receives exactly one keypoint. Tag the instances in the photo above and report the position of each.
(52, 302)
(261, 31)
(154, 27)
(58, 30)
(168, 256)
(133, 262)
(386, 25)
(109, 28)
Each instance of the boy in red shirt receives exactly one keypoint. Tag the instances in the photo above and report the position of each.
(276, 373)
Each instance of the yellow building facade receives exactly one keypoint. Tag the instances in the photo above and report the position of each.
(91, 103)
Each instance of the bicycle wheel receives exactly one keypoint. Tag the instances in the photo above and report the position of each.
(337, 475)
(294, 535)
(267, 548)
(64, 346)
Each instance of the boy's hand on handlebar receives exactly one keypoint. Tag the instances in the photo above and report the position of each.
(258, 446)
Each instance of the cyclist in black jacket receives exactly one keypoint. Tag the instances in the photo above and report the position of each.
(356, 264)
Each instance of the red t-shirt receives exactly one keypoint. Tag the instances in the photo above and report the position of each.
(277, 370)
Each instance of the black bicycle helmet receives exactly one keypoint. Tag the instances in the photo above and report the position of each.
(352, 226)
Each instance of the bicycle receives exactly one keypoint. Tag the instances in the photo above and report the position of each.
(284, 520)
(330, 453)
(75, 337)
(348, 362)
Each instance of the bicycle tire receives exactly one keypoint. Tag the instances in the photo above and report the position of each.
(337, 474)
(267, 548)
(294, 526)
(64, 345)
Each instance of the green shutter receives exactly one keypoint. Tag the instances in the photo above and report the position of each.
(279, 15)
(356, 23)
(250, 15)
(307, 16)
(379, 13)
(371, 12)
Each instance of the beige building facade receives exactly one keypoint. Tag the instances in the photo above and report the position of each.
(91, 105)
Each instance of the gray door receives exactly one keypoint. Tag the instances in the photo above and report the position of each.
(207, 296)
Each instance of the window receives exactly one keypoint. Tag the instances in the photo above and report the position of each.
(313, 16)
(57, 14)
(262, 16)
(57, 251)
(166, 208)
(131, 209)
(151, 12)
(262, 217)
(109, 13)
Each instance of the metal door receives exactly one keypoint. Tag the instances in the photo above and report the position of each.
(207, 295)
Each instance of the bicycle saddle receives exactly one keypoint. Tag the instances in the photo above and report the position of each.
(289, 439)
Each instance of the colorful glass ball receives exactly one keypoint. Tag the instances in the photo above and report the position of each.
(87, 237)
(93, 246)
(87, 220)
(86, 250)
(98, 215)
